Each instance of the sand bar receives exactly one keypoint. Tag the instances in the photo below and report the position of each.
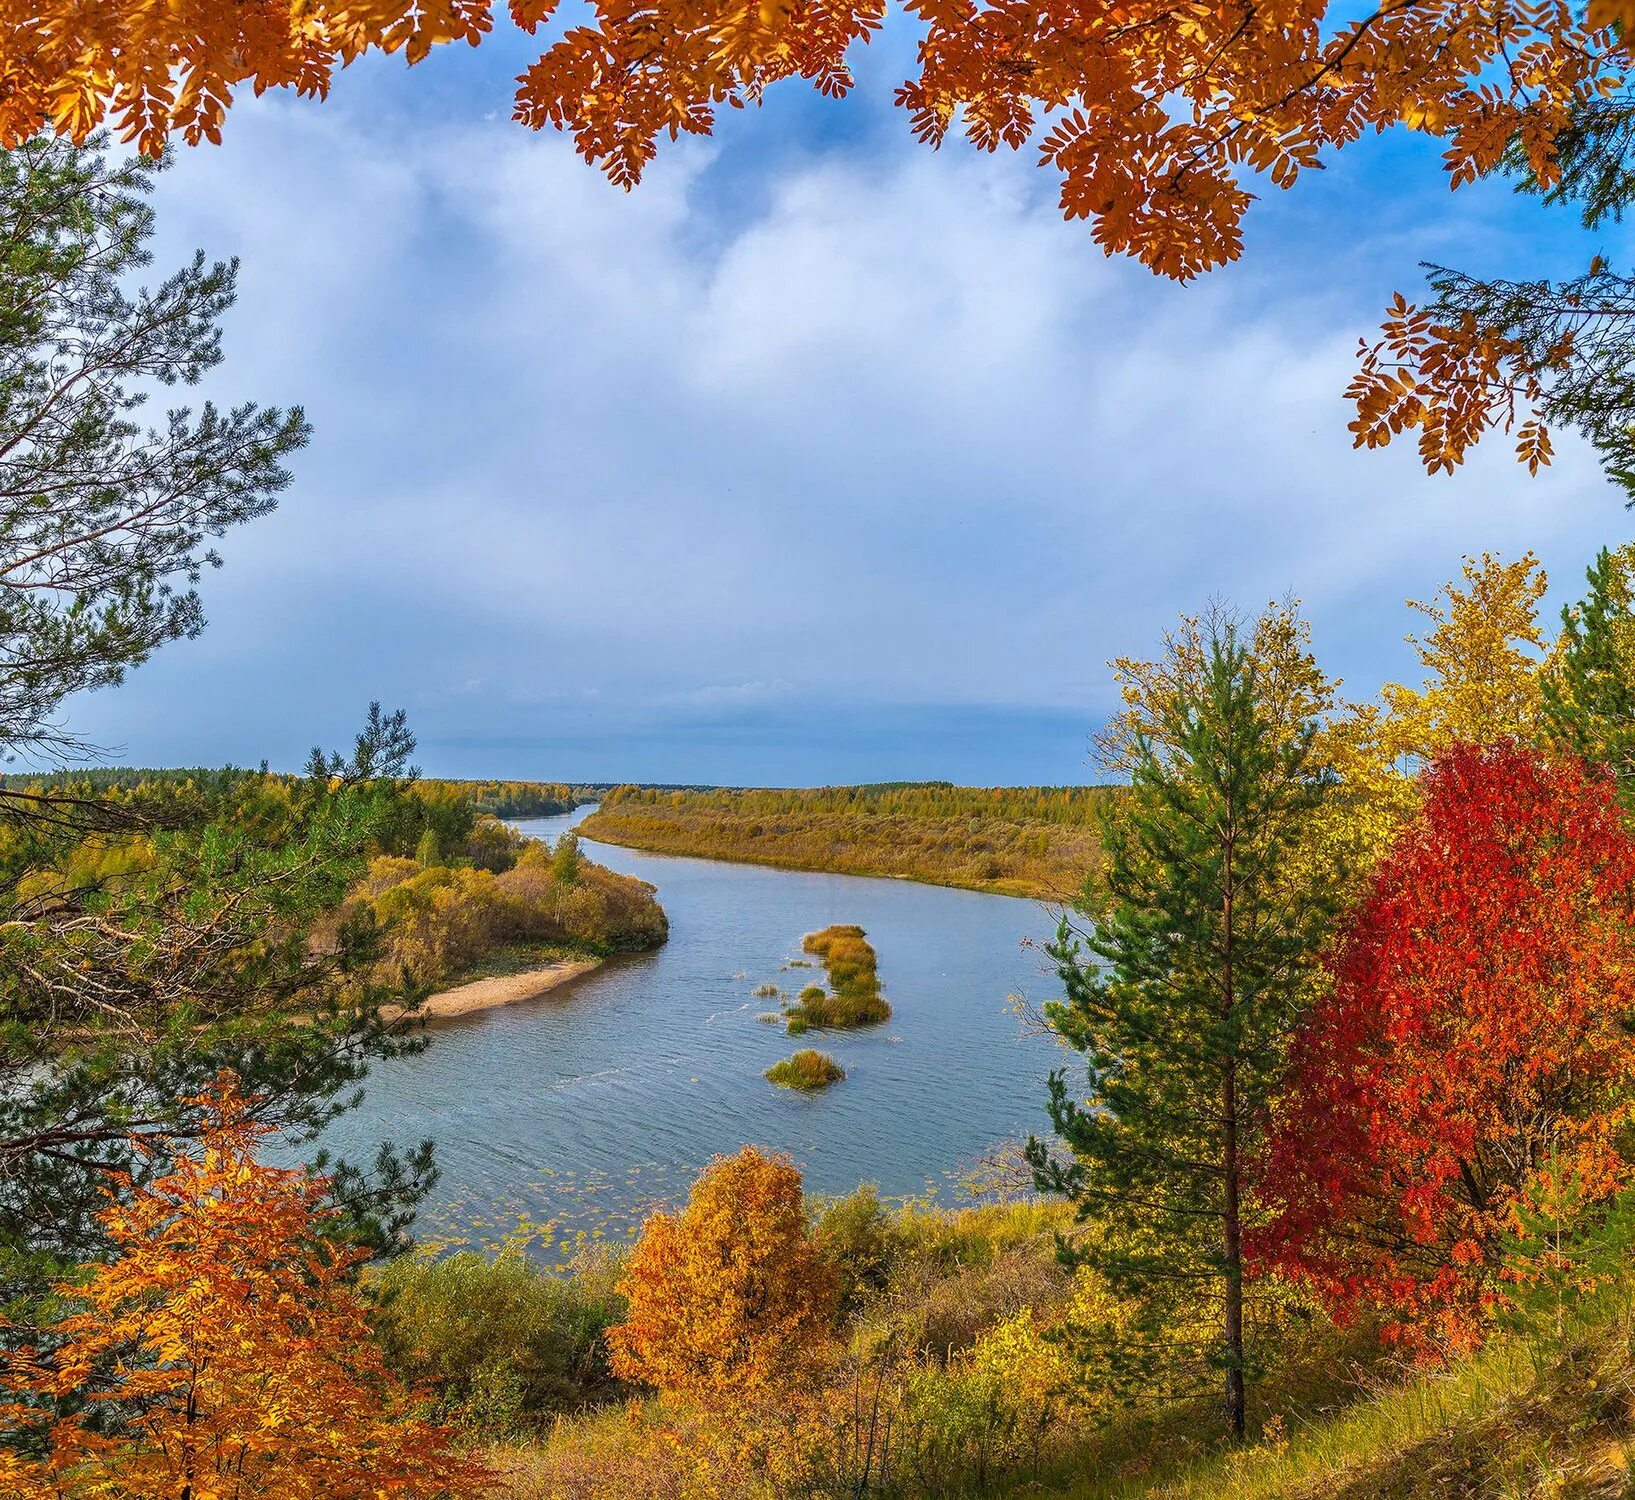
(488, 994)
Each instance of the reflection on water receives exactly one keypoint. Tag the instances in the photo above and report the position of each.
(596, 1102)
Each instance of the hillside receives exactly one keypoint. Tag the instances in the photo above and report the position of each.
(1014, 841)
(1533, 1414)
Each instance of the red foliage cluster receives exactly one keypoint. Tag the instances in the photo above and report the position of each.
(1471, 1054)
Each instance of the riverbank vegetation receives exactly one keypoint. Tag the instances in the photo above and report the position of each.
(513, 799)
(807, 1070)
(1014, 841)
(500, 799)
(500, 903)
(853, 997)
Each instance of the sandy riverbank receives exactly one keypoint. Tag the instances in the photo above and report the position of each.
(487, 994)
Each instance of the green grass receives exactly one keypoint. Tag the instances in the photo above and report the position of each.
(1544, 1415)
(808, 1070)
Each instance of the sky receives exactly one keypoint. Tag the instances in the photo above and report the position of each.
(818, 458)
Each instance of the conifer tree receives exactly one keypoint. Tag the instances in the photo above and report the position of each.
(1589, 689)
(184, 947)
(1181, 996)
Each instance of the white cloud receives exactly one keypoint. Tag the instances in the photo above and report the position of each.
(882, 431)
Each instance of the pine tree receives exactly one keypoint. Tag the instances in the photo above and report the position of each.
(1589, 689)
(1181, 996)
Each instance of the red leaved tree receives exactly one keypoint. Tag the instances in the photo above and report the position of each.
(223, 1354)
(1472, 1054)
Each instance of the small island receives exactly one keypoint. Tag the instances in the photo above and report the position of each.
(853, 997)
(808, 1070)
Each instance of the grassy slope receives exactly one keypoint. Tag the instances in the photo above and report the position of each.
(1547, 1415)
(971, 838)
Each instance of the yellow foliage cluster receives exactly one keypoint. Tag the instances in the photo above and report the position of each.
(1483, 661)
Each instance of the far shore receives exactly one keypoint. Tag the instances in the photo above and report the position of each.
(490, 994)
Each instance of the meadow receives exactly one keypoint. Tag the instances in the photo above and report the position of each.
(1016, 841)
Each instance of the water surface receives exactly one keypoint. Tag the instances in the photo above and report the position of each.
(597, 1101)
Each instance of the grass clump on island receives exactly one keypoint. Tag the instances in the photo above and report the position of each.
(807, 1070)
(853, 997)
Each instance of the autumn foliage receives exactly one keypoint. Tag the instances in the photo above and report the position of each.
(1152, 111)
(1471, 1064)
(730, 1294)
(223, 1354)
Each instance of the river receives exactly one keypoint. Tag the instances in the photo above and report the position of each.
(590, 1105)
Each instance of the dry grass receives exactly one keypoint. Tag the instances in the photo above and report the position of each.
(808, 1070)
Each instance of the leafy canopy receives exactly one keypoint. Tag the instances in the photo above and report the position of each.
(1470, 1067)
(730, 1294)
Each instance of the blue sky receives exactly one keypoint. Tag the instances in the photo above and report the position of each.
(818, 458)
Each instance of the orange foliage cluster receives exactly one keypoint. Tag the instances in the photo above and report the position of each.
(1472, 1064)
(1152, 109)
(730, 1294)
(1453, 382)
(1156, 115)
(223, 1353)
(68, 65)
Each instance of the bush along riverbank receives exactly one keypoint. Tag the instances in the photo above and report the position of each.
(496, 907)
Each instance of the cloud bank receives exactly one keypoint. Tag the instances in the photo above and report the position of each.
(856, 465)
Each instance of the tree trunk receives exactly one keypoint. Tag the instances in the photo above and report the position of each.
(1231, 1208)
(1232, 1227)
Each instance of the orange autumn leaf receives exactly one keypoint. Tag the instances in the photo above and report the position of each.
(1156, 116)
(222, 1352)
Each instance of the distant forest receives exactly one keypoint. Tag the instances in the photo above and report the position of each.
(503, 799)
(1038, 841)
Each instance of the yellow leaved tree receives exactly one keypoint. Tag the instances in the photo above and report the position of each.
(1483, 660)
(730, 1294)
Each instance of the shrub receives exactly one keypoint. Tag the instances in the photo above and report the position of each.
(503, 1348)
(492, 845)
(729, 1294)
(860, 1241)
(442, 920)
(807, 1070)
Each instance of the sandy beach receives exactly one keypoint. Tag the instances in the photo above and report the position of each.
(488, 994)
